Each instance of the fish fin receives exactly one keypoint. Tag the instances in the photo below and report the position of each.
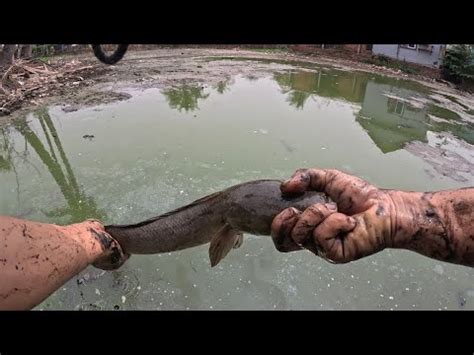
(222, 242)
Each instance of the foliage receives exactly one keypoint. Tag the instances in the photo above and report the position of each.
(384, 61)
(458, 64)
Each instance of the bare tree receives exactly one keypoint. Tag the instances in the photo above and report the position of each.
(6, 56)
(27, 51)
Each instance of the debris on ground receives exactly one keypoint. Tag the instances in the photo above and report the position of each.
(81, 81)
(29, 80)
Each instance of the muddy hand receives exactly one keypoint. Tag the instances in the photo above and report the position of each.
(360, 226)
(111, 256)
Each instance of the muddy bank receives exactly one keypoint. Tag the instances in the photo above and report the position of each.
(78, 80)
(31, 83)
(92, 98)
(448, 155)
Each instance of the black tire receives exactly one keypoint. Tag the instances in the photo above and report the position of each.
(113, 58)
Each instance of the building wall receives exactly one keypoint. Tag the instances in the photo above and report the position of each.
(430, 59)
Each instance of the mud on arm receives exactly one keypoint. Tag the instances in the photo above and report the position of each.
(37, 258)
(439, 225)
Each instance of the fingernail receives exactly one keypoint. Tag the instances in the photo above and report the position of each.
(284, 184)
(287, 214)
(293, 212)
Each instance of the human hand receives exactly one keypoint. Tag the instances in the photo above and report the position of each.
(361, 225)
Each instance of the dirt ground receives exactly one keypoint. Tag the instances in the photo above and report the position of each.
(167, 67)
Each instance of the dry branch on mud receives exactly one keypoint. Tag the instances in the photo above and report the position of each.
(26, 80)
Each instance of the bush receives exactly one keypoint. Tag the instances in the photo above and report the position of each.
(458, 64)
(382, 60)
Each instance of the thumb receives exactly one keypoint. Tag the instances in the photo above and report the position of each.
(351, 193)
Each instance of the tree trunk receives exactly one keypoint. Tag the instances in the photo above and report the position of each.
(26, 51)
(6, 56)
(18, 51)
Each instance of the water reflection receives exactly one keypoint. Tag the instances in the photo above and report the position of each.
(6, 159)
(186, 97)
(389, 119)
(79, 205)
(392, 112)
(393, 117)
(223, 86)
(5, 151)
(301, 85)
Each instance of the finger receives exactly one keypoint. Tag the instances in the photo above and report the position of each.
(330, 237)
(351, 193)
(281, 228)
(297, 184)
(308, 220)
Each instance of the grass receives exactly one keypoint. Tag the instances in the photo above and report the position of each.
(443, 112)
(453, 99)
(44, 59)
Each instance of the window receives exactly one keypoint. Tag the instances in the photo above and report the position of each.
(395, 106)
(399, 108)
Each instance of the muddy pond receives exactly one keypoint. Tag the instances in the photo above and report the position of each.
(164, 147)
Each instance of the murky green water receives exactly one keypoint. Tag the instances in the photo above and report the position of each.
(164, 148)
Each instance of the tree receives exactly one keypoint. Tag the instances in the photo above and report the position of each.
(7, 54)
(458, 64)
(26, 51)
